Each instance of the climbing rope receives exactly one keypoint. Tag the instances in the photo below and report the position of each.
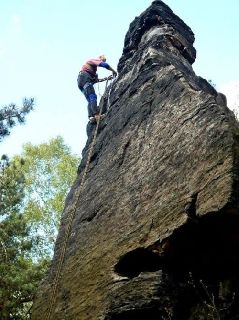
(71, 219)
(98, 85)
(98, 89)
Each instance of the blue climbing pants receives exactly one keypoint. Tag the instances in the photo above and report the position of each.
(85, 84)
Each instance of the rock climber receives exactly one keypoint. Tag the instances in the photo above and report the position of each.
(87, 78)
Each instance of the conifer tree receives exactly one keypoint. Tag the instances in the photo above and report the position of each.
(11, 114)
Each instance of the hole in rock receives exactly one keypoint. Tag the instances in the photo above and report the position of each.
(207, 247)
(139, 260)
(141, 314)
(199, 263)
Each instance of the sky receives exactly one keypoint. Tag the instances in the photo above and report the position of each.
(43, 44)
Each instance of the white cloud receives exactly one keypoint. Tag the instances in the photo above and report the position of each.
(231, 90)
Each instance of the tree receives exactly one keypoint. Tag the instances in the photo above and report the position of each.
(33, 187)
(18, 273)
(11, 186)
(11, 114)
(49, 170)
(13, 230)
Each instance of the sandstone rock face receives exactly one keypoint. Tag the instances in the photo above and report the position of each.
(155, 233)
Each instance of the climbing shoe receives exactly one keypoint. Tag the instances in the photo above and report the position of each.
(92, 120)
(96, 118)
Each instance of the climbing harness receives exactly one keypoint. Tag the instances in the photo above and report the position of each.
(71, 219)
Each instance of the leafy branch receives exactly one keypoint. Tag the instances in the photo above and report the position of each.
(11, 114)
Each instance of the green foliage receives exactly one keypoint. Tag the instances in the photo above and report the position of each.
(18, 274)
(11, 185)
(33, 187)
(49, 170)
(11, 114)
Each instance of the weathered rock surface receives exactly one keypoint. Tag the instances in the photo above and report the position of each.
(156, 229)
